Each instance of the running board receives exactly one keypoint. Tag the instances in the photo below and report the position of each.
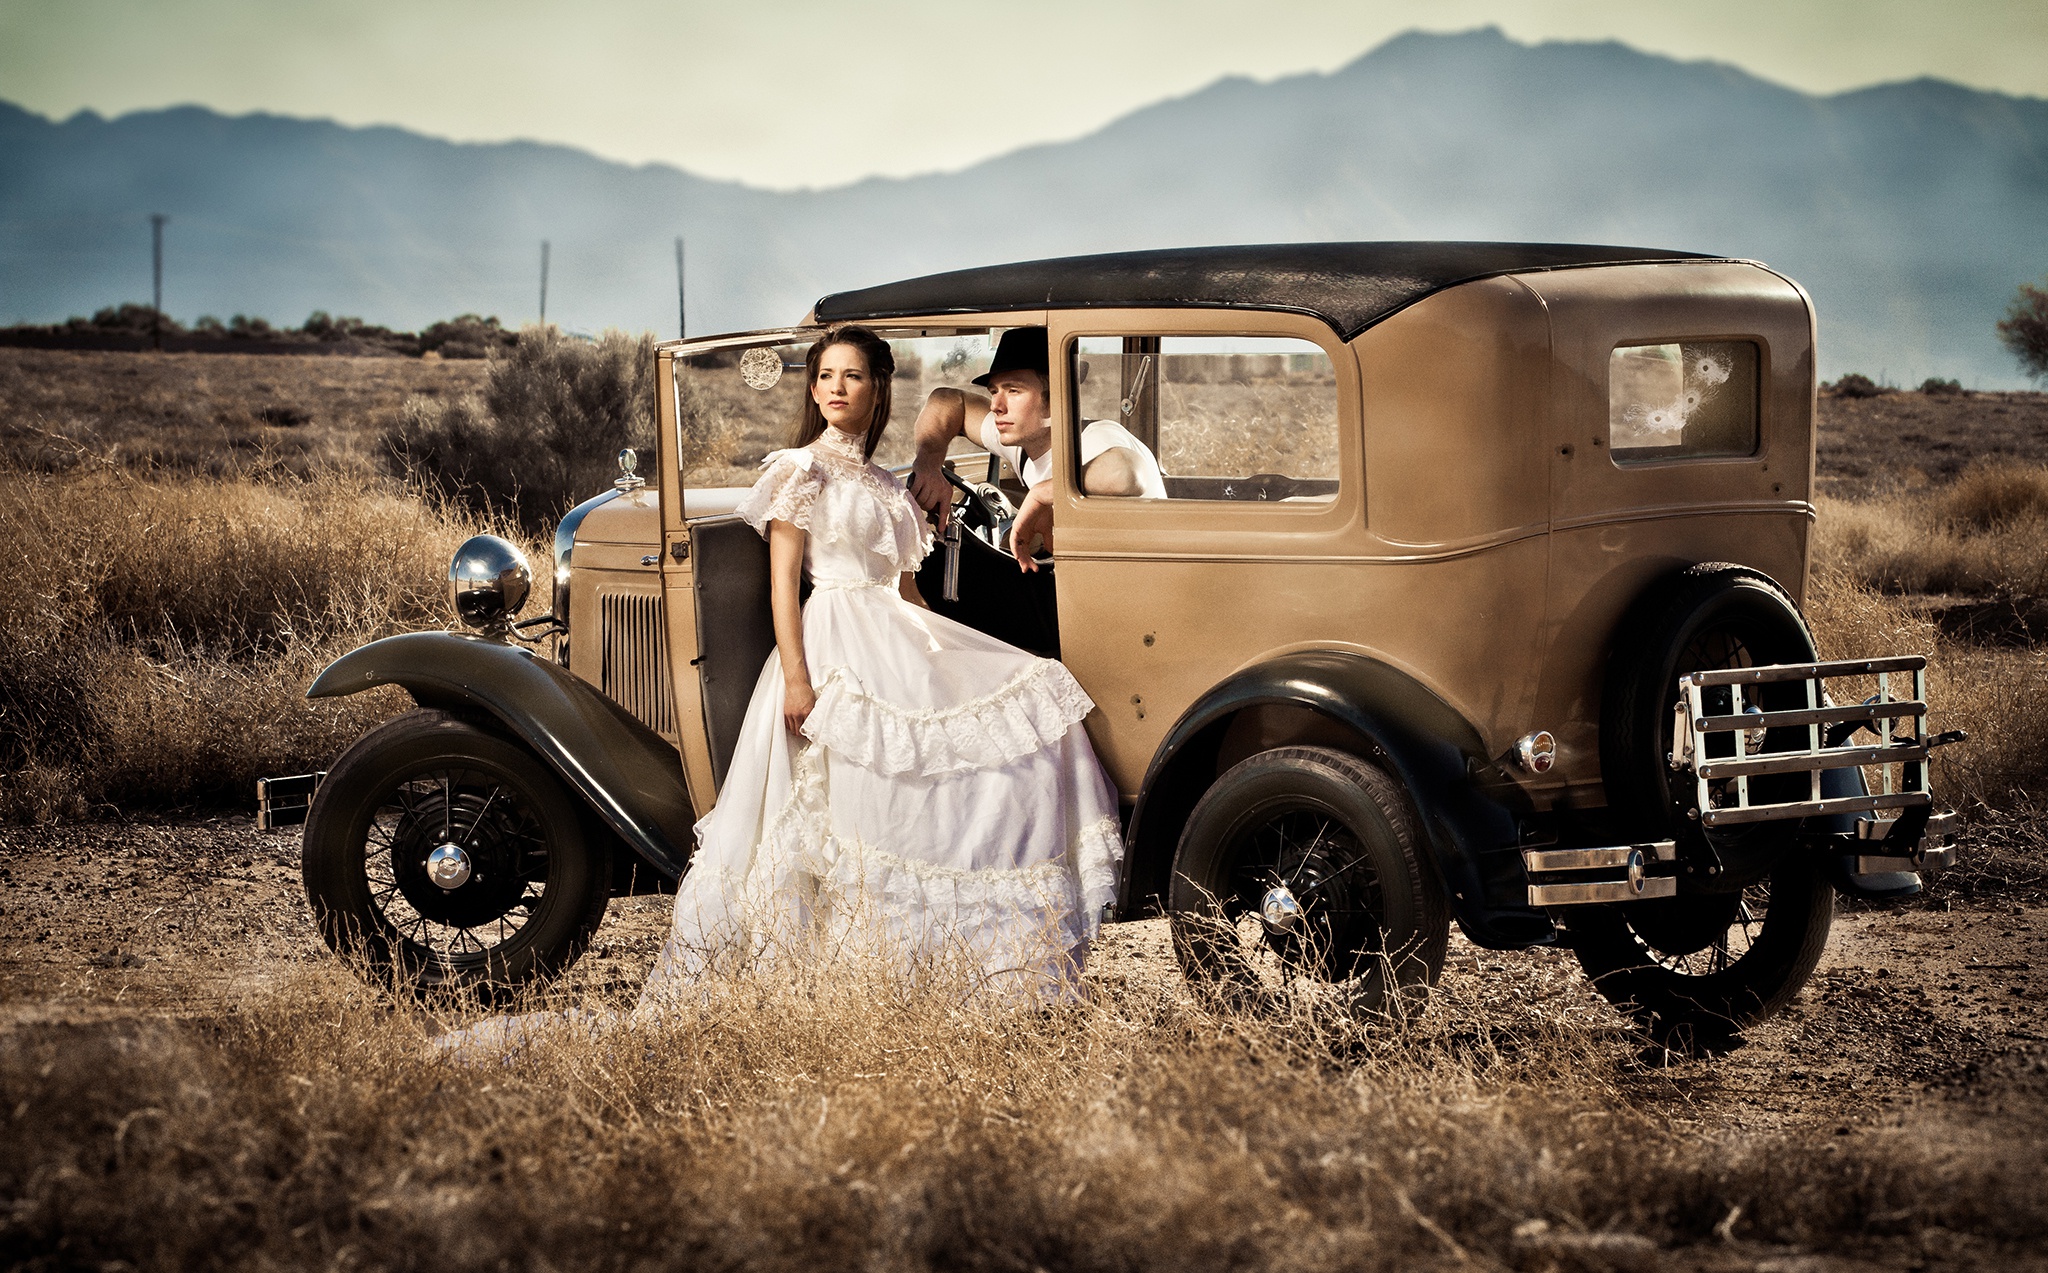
(1632, 862)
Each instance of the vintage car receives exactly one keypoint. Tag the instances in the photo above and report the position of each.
(1475, 596)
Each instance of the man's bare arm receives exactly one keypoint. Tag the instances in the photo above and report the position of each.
(1111, 473)
(945, 417)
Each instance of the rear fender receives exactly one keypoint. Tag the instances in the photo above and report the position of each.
(625, 772)
(1468, 808)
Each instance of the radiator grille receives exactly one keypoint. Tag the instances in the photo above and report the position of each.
(635, 671)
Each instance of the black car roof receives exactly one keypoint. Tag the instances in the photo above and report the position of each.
(1350, 286)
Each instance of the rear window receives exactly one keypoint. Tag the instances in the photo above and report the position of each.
(1683, 400)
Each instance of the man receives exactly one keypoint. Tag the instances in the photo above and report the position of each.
(1015, 422)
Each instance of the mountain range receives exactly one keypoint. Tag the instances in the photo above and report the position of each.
(1910, 211)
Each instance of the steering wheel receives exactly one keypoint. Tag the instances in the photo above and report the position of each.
(982, 510)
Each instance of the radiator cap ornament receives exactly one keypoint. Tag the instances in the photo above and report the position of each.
(629, 479)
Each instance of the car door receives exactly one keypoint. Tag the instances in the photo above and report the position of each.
(1160, 597)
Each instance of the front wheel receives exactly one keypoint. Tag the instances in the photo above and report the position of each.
(1299, 871)
(447, 857)
(1695, 969)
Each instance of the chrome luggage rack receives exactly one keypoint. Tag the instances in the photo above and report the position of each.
(1721, 750)
(1900, 753)
(1917, 839)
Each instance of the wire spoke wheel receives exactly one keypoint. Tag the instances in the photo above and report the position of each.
(1693, 971)
(448, 856)
(486, 831)
(1297, 876)
(1304, 900)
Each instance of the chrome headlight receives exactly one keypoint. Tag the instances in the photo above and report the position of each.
(488, 581)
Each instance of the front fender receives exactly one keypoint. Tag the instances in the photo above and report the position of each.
(627, 774)
(1468, 808)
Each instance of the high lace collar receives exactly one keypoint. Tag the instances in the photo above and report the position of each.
(841, 445)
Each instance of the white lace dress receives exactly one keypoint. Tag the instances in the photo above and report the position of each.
(943, 800)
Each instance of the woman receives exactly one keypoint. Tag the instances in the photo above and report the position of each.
(902, 784)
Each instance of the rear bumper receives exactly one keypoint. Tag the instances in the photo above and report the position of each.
(283, 802)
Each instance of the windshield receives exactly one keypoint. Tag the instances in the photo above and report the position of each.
(737, 400)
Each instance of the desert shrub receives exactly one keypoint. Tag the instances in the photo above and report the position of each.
(163, 631)
(2024, 329)
(546, 431)
(1993, 497)
(467, 336)
(1985, 535)
(1936, 386)
(131, 318)
(1855, 385)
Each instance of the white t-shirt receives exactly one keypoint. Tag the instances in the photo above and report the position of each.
(1097, 436)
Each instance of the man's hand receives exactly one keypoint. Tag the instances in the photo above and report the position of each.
(928, 486)
(1034, 519)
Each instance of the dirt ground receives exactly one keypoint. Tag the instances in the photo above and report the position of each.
(1924, 1020)
(1897, 441)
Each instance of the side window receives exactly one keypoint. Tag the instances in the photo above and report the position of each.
(1246, 418)
(1689, 400)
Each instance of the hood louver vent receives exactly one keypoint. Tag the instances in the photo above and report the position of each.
(635, 672)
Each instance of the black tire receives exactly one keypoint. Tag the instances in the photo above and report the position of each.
(1372, 926)
(1694, 971)
(1708, 617)
(537, 884)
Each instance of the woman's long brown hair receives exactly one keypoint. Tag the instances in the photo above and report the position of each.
(810, 422)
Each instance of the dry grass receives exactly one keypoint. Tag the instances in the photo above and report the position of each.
(161, 631)
(836, 1121)
(1960, 571)
(1984, 535)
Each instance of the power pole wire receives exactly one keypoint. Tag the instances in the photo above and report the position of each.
(543, 282)
(683, 305)
(156, 272)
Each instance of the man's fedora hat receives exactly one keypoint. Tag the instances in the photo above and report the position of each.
(1021, 349)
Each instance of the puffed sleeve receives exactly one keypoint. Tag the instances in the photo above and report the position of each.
(785, 492)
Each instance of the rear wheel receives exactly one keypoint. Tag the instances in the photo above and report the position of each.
(450, 857)
(1694, 970)
(1753, 911)
(1299, 872)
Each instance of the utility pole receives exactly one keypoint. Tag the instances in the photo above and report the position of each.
(543, 282)
(682, 304)
(156, 274)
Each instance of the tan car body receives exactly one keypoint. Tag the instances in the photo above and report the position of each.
(1489, 551)
(1482, 542)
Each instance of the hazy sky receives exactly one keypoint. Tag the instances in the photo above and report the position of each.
(803, 93)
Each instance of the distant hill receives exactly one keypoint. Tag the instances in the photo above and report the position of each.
(1910, 211)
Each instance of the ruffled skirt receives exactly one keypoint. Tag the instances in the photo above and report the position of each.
(943, 805)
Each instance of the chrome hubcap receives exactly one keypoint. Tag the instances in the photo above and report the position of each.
(1280, 910)
(448, 866)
